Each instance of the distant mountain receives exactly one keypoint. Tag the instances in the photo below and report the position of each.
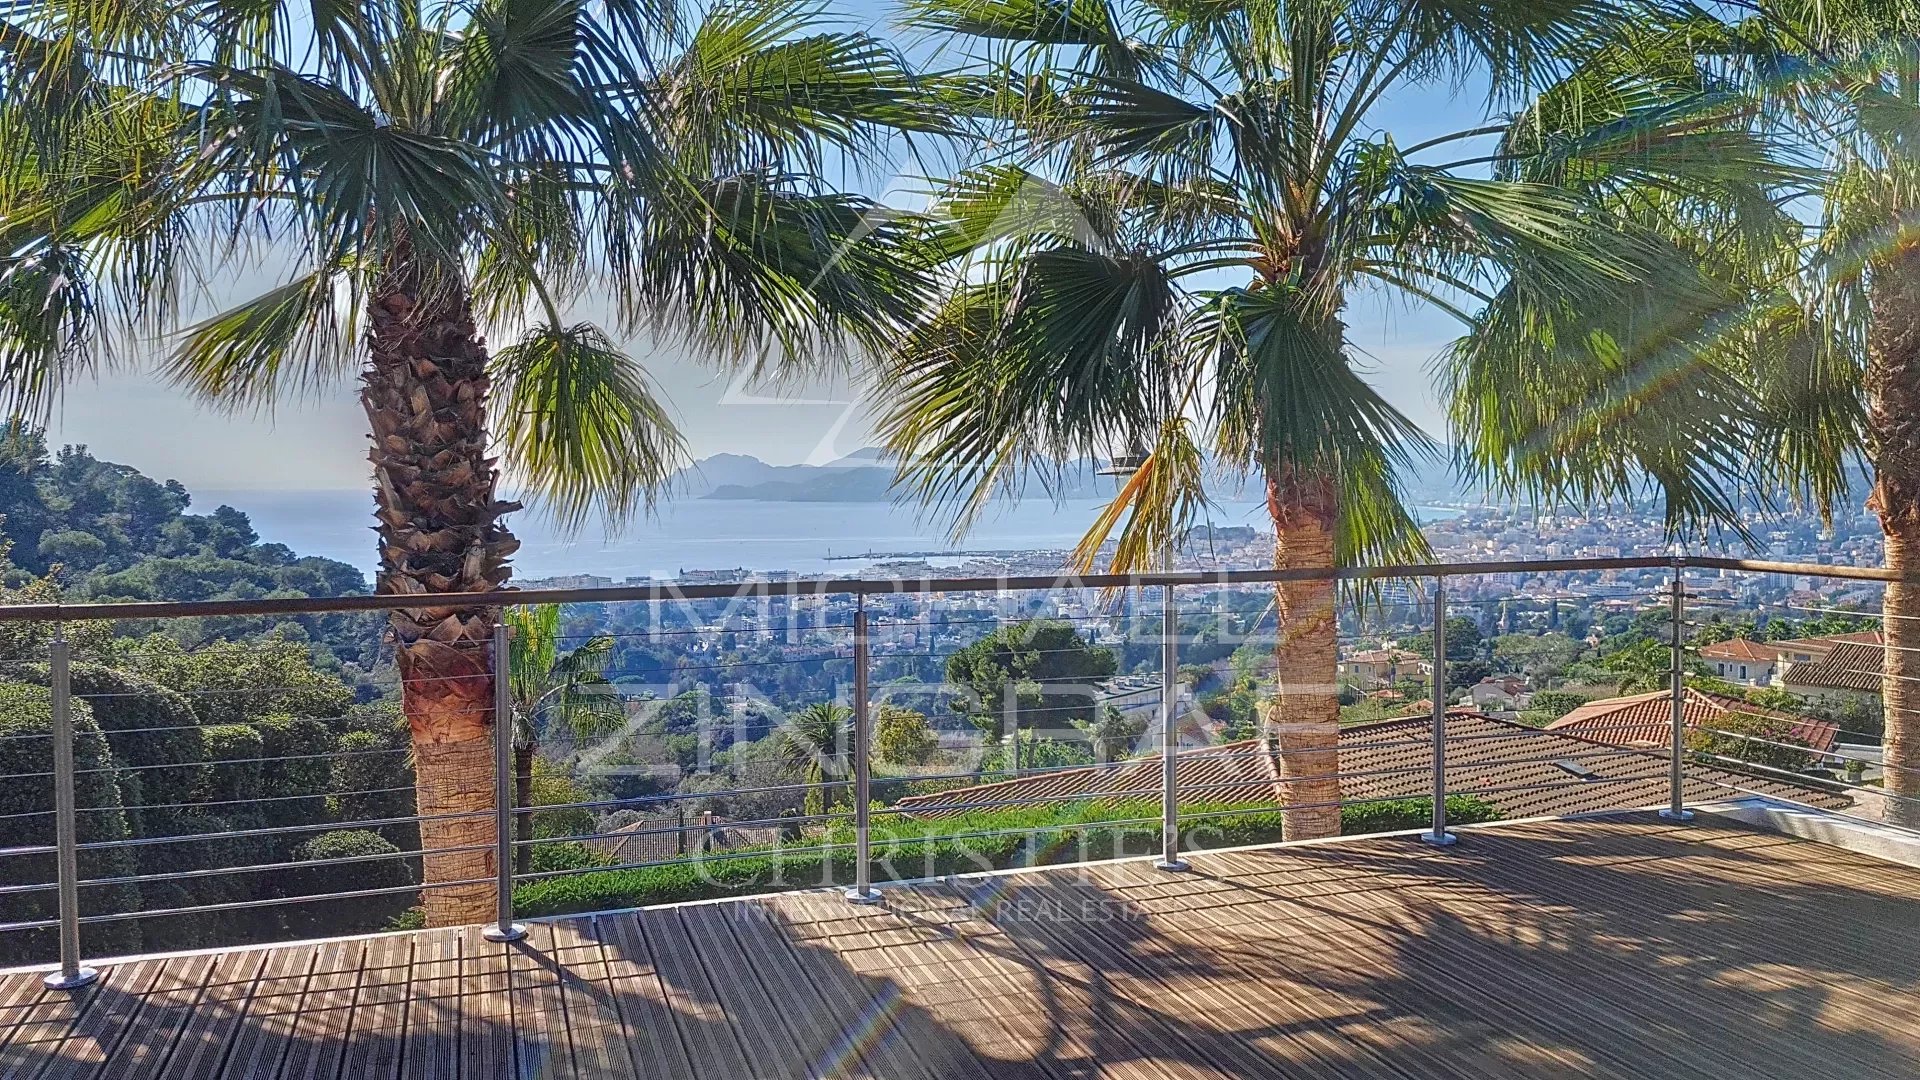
(862, 476)
(866, 476)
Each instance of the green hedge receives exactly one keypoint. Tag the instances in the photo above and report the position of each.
(26, 760)
(909, 848)
(1394, 815)
(358, 915)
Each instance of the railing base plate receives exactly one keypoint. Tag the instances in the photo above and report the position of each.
(1171, 864)
(1445, 839)
(60, 980)
(1677, 815)
(509, 932)
(855, 896)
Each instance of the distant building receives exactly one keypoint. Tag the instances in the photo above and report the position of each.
(1376, 668)
(1743, 661)
(1500, 694)
(1646, 720)
(1849, 673)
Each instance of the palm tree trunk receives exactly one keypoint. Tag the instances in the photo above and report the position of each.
(425, 392)
(1302, 721)
(1893, 432)
(523, 797)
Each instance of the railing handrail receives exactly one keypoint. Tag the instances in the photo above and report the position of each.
(674, 591)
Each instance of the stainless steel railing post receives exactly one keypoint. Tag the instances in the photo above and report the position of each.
(66, 835)
(504, 928)
(862, 891)
(1438, 836)
(1169, 734)
(1676, 809)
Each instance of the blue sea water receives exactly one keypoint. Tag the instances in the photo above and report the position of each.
(702, 534)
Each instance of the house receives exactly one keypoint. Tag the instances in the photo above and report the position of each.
(1646, 720)
(1376, 668)
(1743, 660)
(1848, 674)
(1808, 649)
(1500, 693)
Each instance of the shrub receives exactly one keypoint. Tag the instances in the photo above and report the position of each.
(1395, 815)
(232, 777)
(1762, 740)
(380, 866)
(910, 848)
(902, 736)
(26, 759)
(294, 779)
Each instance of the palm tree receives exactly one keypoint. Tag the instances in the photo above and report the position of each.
(421, 169)
(552, 688)
(815, 742)
(1159, 247)
(1825, 345)
(1849, 77)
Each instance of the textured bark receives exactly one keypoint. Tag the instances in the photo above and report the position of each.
(425, 393)
(523, 797)
(1302, 721)
(1893, 431)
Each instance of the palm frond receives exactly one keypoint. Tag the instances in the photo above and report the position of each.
(1162, 499)
(1065, 354)
(289, 341)
(584, 431)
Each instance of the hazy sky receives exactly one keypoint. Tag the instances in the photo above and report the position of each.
(136, 419)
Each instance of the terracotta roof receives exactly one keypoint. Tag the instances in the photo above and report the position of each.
(1647, 719)
(1740, 649)
(1849, 665)
(1825, 642)
(658, 839)
(1526, 772)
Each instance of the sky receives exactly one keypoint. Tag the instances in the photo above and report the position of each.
(129, 415)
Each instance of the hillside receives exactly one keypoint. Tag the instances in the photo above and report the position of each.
(104, 531)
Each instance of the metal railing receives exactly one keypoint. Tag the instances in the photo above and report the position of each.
(1170, 821)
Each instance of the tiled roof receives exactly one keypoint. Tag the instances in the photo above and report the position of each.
(1647, 719)
(658, 839)
(1850, 665)
(1740, 649)
(1526, 772)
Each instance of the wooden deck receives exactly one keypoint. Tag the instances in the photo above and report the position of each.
(1611, 947)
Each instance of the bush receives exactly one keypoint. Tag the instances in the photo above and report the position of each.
(232, 777)
(368, 786)
(294, 779)
(909, 848)
(1762, 740)
(1395, 815)
(356, 915)
(26, 759)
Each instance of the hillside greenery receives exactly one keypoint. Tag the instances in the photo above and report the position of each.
(101, 531)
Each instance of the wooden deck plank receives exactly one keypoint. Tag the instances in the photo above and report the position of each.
(539, 1023)
(646, 1013)
(845, 1031)
(173, 999)
(374, 1049)
(711, 1039)
(486, 1017)
(326, 1012)
(593, 1020)
(262, 1042)
(1605, 948)
(432, 1049)
(215, 1023)
(100, 1027)
(35, 1040)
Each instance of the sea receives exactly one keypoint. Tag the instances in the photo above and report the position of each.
(809, 538)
